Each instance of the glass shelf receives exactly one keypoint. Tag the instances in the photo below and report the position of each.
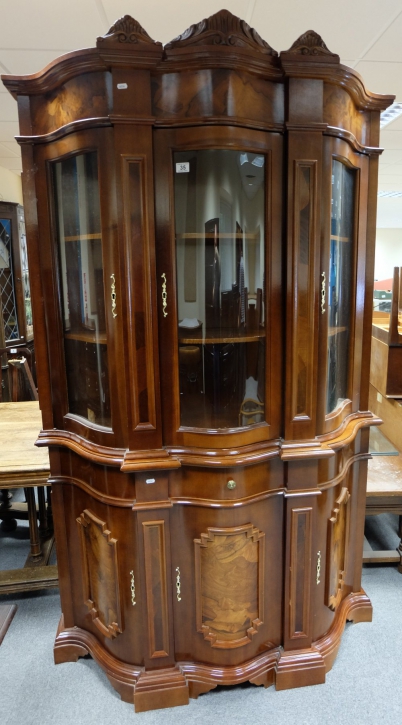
(379, 445)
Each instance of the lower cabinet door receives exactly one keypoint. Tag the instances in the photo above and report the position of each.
(104, 572)
(227, 571)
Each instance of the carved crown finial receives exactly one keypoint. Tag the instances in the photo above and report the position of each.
(310, 43)
(222, 28)
(127, 30)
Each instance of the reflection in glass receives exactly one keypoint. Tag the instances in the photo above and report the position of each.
(81, 271)
(9, 309)
(26, 288)
(340, 283)
(220, 217)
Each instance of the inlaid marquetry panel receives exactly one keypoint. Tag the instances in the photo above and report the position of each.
(156, 588)
(337, 548)
(229, 576)
(300, 572)
(100, 574)
(305, 183)
(137, 251)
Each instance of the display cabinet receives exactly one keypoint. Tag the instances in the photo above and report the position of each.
(201, 227)
(16, 328)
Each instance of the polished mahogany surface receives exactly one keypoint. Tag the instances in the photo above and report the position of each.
(201, 227)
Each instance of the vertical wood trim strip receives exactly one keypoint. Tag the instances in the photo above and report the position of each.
(155, 573)
(299, 165)
(300, 573)
(140, 318)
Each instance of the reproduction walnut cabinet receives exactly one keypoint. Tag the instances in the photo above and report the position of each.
(201, 223)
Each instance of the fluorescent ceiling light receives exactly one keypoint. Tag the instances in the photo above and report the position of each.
(389, 193)
(258, 161)
(390, 114)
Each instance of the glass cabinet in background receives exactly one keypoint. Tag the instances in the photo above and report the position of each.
(16, 323)
(202, 259)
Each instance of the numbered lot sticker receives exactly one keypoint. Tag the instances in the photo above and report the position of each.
(183, 167)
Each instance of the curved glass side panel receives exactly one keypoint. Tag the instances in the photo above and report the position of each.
(339, 296)
(220, 220)
(81, 271)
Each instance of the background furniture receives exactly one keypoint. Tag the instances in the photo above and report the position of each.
(384, 493)
(386, 349)
(22, 465)
(196, 545)
(16, 324)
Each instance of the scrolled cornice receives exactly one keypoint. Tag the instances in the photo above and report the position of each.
(310, 43)
(128, 31)
(222, 29)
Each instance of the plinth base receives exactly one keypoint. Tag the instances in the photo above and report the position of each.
(170, 687)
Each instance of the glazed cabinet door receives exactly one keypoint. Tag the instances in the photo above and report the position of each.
(98, 556)
(218, 227)
(82, 290)
(342, 285)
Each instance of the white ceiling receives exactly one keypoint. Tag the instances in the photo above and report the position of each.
(365, 33)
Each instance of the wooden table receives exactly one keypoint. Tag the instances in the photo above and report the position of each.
(384, 495)
(23, 465)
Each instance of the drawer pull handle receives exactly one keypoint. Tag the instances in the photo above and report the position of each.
(231, 484)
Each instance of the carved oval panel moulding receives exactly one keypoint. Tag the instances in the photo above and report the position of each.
(229, 580)
(100, 574)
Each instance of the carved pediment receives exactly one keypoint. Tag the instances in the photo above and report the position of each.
(222, 29)
(310, 43)
(127, 30)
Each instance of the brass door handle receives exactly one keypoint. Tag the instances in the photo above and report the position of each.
(318, 578)
(132, 588)
(113, 295)
(323, 292)
(164, 295)
(178, 584)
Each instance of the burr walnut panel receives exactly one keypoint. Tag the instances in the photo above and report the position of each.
(86, 97)
(100, 574)
(229, 585)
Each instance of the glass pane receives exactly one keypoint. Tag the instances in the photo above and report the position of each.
(81, 271)
(25, 274)
(339, 295)
(11, 331)
(220, 217)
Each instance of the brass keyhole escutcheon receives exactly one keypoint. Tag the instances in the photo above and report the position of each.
(231, 484)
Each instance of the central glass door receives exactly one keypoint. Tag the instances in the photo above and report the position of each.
(219, 203)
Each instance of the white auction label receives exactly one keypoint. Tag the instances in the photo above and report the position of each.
(183, 167)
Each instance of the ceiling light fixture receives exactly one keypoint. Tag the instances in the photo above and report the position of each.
(389, 194)
(390, 114)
